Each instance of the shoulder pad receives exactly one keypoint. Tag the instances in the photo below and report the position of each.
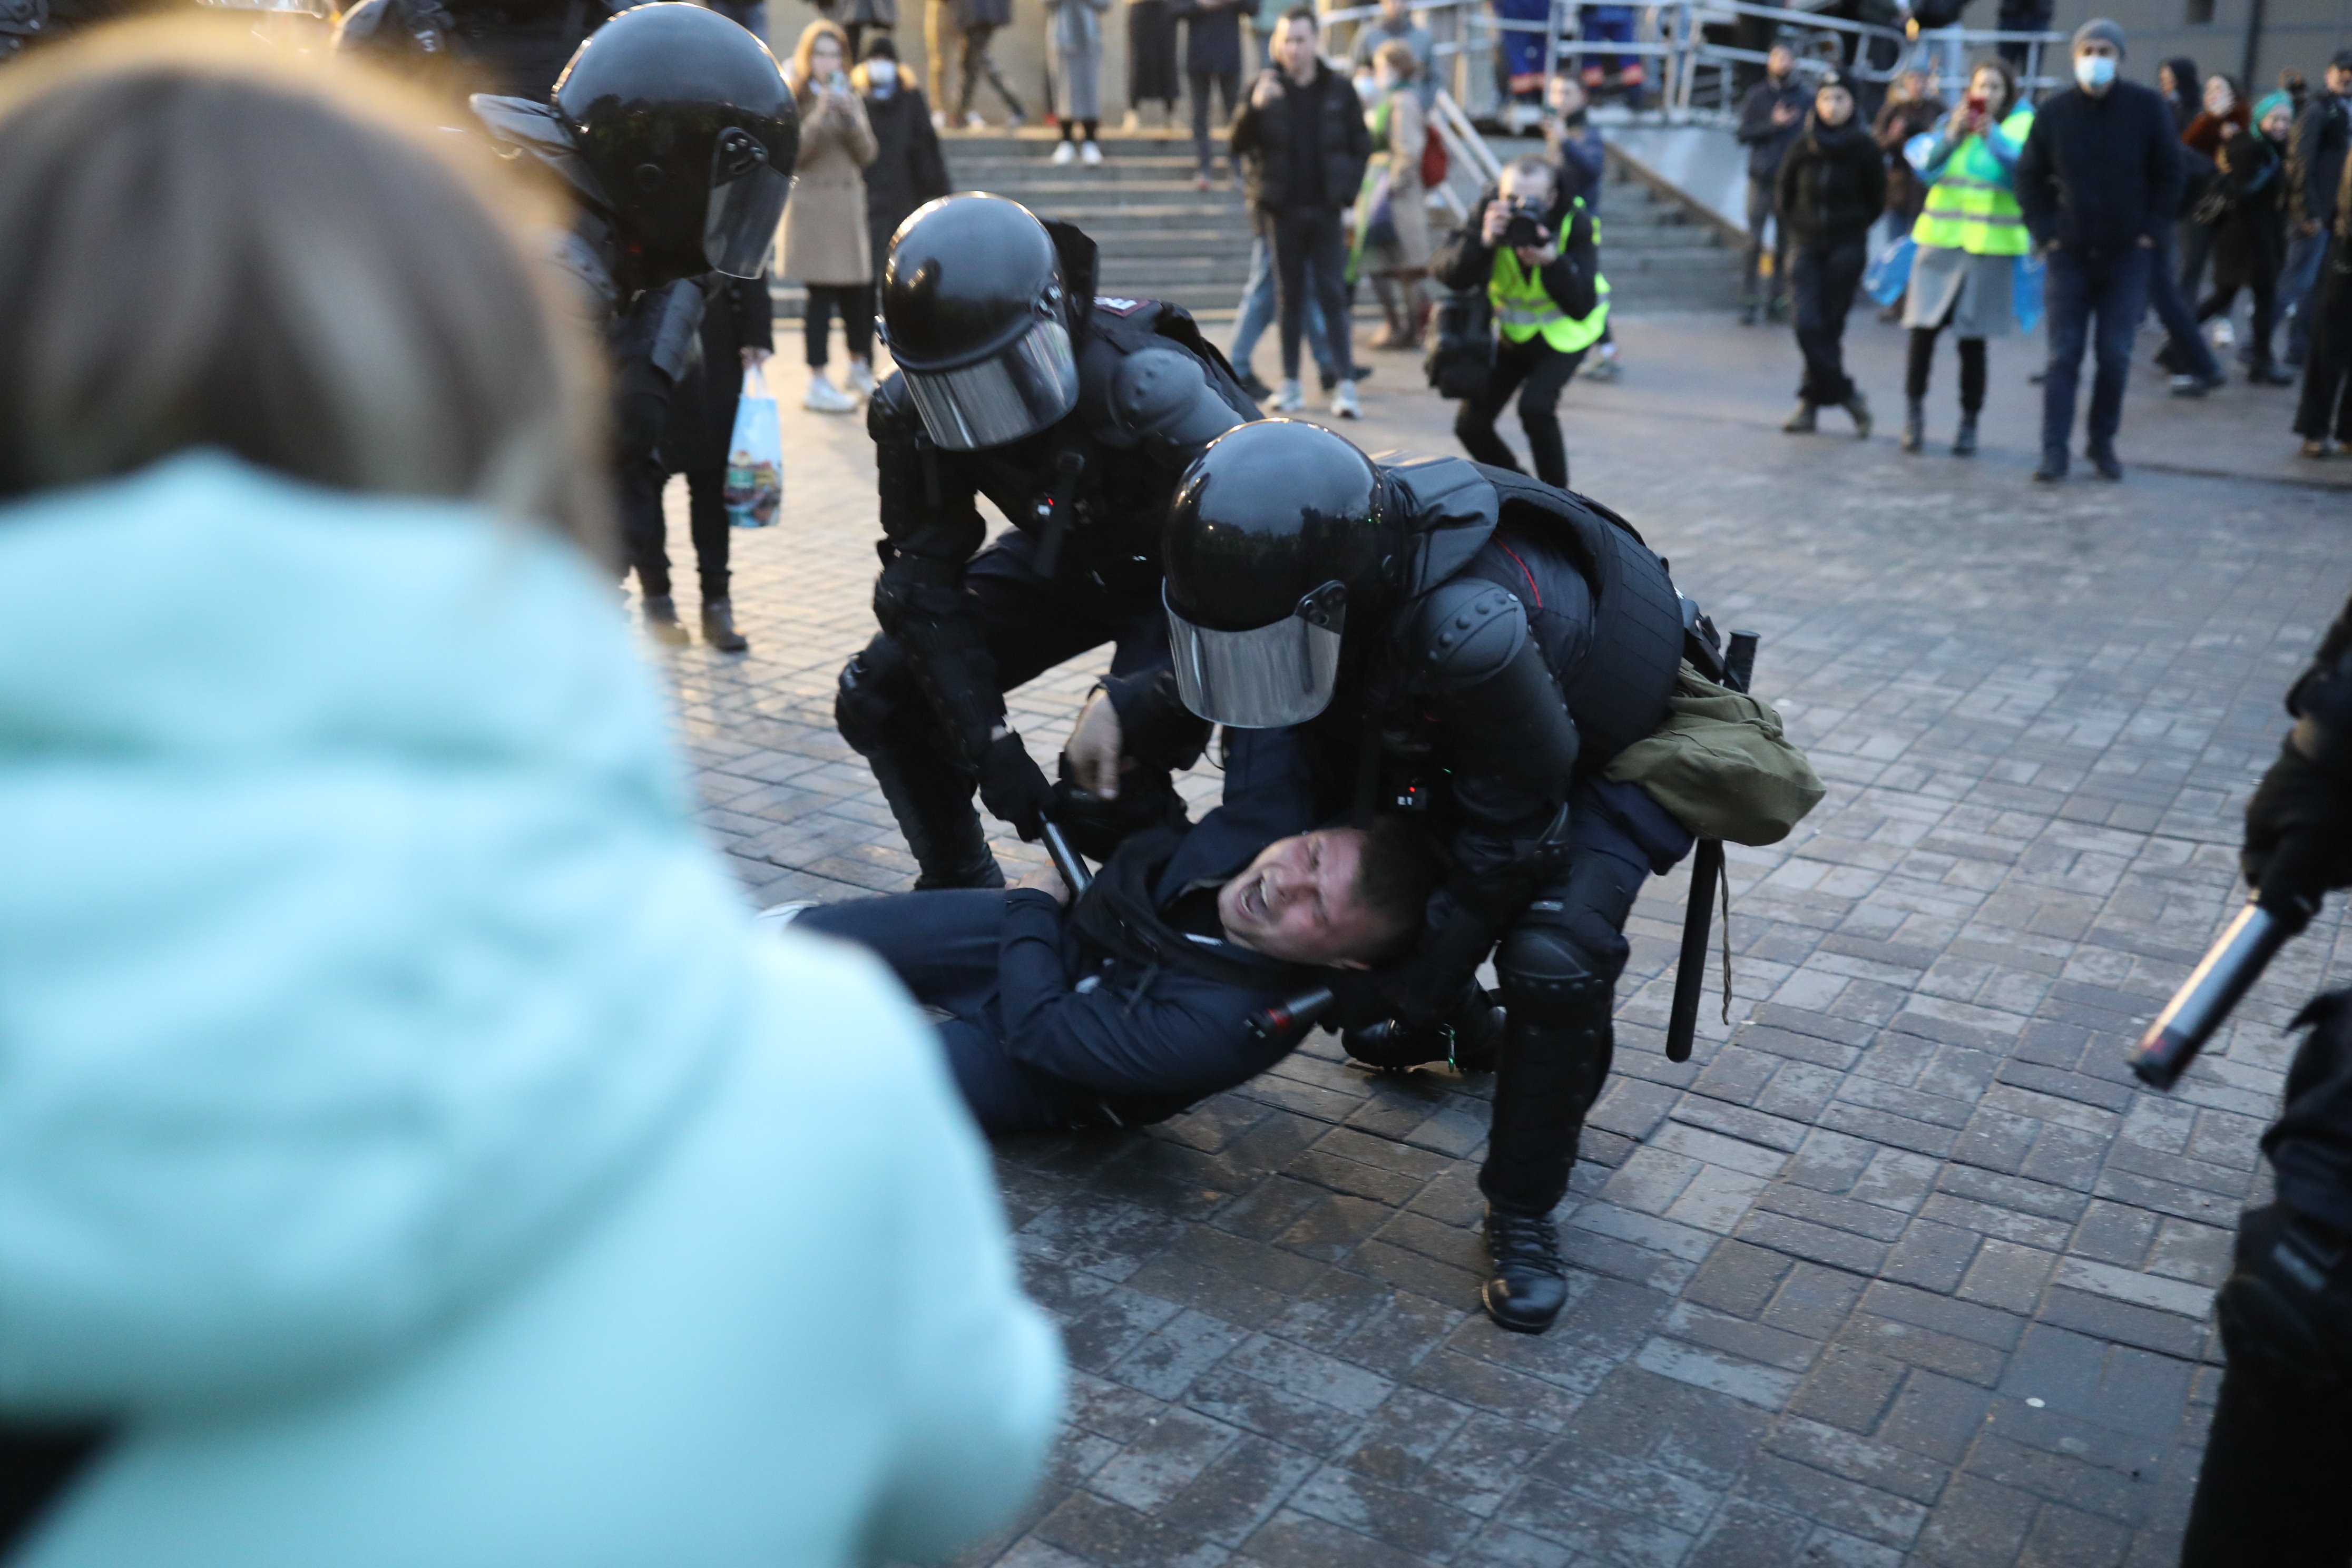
(1162, 397)
(1453, 509)
(890, 413)
(1462, 633)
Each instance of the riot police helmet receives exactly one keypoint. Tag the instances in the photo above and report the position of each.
(974, 313)
(1275, 532)
(689, 128)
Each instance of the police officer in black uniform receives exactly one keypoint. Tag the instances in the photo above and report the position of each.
(1074, 412)
(1473, 643)
(2273, 1488)
(675, 133)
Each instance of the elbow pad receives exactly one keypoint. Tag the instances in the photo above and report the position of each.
(1161, 399)
(1503, 710)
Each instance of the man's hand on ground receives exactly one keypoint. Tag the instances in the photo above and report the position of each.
(1091, 758)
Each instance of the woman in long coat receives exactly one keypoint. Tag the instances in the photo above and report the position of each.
(1392, 208)
(1075, 27)
(826, 248)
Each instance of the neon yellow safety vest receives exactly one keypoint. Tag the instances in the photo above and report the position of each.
(1522, 308)
(1972, 205)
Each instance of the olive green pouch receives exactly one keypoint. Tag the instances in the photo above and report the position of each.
(1721, 764)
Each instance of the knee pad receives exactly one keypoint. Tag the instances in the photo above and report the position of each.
(1553, 976)
(874, 697)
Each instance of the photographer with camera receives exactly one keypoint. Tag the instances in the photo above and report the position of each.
(2271, 1490)
(1536, 253)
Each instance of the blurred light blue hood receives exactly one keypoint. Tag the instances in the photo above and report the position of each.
(354, 934)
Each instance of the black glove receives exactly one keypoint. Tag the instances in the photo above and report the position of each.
(1096, 828)
(2299, 833)
(1013, 787)
(1470, 1039)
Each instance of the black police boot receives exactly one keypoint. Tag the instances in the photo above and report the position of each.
(718, 627)
(1528, 1283)
(661, 620)
(933, 806)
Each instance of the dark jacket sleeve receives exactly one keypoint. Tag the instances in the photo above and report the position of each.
(1174, 1040)
(1756, 114)
(1786, 180)
(1359, 142)
(2036, 181)
(931, 165)
(2166, 175)
(1463, 260)
(1247, 133)
(1874, 187)
(930, 529)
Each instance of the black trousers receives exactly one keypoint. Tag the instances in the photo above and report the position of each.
(944, 946)
(1823, 277)
(1228, 84)
(706, 491)
(1922, 357)
(1537, 372)
(1028, 622)
(2327, 369)
(855, 304)
(1559, 966)
(1310, 251)
(2272, 1487)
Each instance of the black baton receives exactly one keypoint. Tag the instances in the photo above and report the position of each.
(1066, 861)
(2228, 971)
(1706, 874)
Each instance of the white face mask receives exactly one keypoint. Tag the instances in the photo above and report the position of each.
(882, 75)
(2095, 71)
(1367, 88)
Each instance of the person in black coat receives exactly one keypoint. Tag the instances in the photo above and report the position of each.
(1769, 118)
(1213, 59)
(1831, 188)
(737, 333)
(1303, 144)
(909, 168)
(2243, 209)
(2098, 181)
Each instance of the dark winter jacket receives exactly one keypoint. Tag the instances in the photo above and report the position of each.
(1261, 138)
(908, 168)
(2323, 134)
(1765, 142)
(701, 417)
(1213, 37)
(1832, 183)
(1465, 262)
(1897, 123)
(2243, 210)
(2097, 174)
(1581, 158)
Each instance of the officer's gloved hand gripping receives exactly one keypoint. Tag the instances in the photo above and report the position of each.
(2299, 822)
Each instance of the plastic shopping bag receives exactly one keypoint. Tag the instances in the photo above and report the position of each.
(2025, 292)
(1890, 273)
(755, 457)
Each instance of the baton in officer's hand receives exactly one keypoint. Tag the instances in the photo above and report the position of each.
(1066, 861)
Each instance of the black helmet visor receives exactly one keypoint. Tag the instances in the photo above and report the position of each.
(1269, 675)
(746, 202)
(1015, 392)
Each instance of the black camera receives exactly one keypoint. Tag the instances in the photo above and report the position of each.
(1526, 226)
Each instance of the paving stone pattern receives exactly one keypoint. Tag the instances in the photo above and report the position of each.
(1902, 1266)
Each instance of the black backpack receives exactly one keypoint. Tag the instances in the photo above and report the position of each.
(1461, 351)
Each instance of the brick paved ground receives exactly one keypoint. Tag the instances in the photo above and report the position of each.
(1901, 1267)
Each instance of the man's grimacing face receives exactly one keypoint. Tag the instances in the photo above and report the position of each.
(1296, 901)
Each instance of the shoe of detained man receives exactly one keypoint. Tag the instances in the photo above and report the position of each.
(1344, 403)
(1528, 1283)
(1291, 398)
(823, 398)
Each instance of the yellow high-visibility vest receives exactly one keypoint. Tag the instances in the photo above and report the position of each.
(1522, 308)
(1972, 207)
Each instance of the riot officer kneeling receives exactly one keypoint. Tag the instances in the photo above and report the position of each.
(1467, 642)
(675, 134)
(1074, 412)
(2272, 1489)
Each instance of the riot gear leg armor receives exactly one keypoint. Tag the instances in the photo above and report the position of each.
(886, 720)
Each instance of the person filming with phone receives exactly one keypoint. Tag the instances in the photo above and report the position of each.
(1536, 253)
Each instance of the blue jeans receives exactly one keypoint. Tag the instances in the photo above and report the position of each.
(1257, 313)
(2187, 354)
(2295, 291)
(2114, 286)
